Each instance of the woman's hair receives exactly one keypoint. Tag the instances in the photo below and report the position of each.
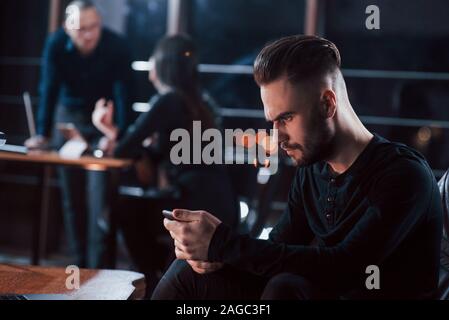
(176, 62)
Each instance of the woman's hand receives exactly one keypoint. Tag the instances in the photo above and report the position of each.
(107, 146)
(103, 118)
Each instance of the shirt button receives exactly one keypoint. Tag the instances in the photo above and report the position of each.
(330, 199)
(328, 216)
(332, 180)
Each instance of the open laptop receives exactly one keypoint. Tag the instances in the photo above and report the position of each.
(2, 139)
(44, 297)
(10, 147)
(30, 125)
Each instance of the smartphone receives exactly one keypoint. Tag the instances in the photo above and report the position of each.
(168, 214)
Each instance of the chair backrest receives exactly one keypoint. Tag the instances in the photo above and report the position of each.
(443, 286)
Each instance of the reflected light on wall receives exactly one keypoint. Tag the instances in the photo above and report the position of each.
(424, 134)
(265, 233)
(244, 210)
(141, 107)
(142, 65)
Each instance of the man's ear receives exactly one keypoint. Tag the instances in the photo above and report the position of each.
(64, 26)
(329, 103)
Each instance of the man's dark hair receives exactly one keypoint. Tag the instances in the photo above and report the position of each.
(298, 57)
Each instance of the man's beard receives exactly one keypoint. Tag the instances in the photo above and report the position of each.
(318, 143)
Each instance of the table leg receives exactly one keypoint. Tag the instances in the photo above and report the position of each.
(114, 207)
(41, 217)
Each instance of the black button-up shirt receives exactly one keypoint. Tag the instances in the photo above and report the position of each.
(76, 82)
(385, 210)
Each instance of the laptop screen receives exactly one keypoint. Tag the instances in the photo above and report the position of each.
(2, 138)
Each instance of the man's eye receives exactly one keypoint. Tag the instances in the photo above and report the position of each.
(288, 118)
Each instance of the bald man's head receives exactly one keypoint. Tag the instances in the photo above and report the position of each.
(83, 25)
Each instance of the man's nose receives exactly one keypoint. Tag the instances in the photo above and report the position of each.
(282, 135)
(88, 35)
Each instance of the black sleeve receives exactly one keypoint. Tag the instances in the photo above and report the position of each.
(398, 201)
(162, 115)
(293, 227)
(123, 86)
(49, 87)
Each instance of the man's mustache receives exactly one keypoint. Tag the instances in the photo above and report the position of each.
(293, 146)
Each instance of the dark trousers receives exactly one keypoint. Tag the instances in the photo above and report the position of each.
(87, 217)
(180, 282)
(84, 197)
(148, 243)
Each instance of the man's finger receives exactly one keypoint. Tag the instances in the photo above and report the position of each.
(208, 266)
(198, 270)
(187, 215)
(180, 246)
(181, 255)
(174, 236)
(203, 267)
(196, 266)
(176, 239)
(174, 226)
(195, 263)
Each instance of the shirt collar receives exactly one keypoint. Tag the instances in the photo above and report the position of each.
(326, 172)
(69, 46)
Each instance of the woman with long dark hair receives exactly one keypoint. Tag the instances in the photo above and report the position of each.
(178, 103)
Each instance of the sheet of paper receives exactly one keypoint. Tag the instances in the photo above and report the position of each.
(73, 149)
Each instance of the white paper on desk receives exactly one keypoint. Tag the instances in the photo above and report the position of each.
(73, 149)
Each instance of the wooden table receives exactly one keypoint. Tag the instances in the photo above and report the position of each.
(48, 159)
(94, 284)
(52, 157)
